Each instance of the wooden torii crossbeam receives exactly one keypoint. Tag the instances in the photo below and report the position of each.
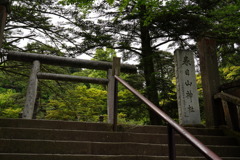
(113, 68)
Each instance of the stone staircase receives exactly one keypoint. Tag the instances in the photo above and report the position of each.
(22, 139)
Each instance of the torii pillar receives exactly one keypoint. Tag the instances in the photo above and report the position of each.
(210, 81)
(4, 9)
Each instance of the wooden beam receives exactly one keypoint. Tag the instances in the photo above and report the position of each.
(210, 80)
(116, 66)
(63, 77)
(231, 110)
(227, 114)
(31, 92)
(65, 61)
(238, 115)
(228, 98)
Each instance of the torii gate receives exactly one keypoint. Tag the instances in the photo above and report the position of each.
(208, 66)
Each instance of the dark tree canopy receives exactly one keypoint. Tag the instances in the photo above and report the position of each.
(44, 23)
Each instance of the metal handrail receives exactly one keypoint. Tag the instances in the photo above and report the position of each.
(172, 125)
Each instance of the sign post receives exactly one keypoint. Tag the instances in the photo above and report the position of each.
(187, 95)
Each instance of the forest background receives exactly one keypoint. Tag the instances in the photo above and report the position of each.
(102, 29)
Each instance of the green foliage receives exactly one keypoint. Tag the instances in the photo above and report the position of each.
(133, 109)
(231, 73)
(12, 88)
(104, 54)
(226, 20)
(41, 48)
(81, 3)
(228, 62)
(110, 1)
(164, 73)
(84, 5)
(83, 105)
(11, 112)
(9, 104)
(7, 99)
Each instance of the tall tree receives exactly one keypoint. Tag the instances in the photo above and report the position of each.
(140, 27)
(129, 32)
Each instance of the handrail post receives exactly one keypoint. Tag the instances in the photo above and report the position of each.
(171, 143)
(112, 93)
(227, 113)
(231, 110)
(31, 92)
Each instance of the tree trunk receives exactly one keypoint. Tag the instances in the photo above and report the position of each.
(210, 81)
(3, 16)
(148, 67)
(151, 89)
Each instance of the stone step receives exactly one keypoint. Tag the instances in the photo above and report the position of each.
(163, 129)
(104, 136)
(105, 148)
(17, 156)
(70, 125)
(50, 124)
(43, 139)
